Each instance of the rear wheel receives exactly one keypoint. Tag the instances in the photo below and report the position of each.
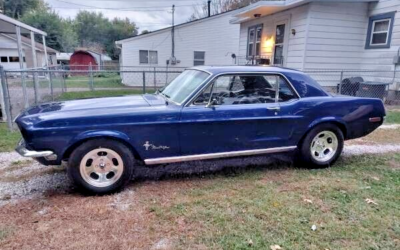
(101, 166)
(321, 147)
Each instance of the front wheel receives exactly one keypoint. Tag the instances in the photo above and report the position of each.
(101, 166)
(321, 147)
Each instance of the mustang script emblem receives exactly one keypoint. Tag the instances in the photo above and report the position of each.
(148, 146)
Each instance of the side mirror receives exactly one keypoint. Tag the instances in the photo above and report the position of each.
(212, 103)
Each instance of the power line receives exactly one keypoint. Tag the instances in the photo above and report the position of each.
(132, 10)
(121, 8)
(130, 1)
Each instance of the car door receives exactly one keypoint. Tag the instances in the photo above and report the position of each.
(244, 115)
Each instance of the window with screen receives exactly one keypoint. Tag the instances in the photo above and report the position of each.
(148, 57)
(199, 58)
(4, 59)
(380, 31)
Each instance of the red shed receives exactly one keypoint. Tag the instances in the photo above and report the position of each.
(80, 60)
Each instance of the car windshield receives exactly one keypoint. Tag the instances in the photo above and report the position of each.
(182, 86)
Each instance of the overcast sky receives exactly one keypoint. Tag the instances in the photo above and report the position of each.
(147, 14)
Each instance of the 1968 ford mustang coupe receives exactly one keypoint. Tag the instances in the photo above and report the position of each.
(205, 113)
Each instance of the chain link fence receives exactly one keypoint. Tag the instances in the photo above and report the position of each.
(384, 85)
(24, 88)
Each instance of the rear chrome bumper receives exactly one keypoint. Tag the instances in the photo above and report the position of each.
(23, 151)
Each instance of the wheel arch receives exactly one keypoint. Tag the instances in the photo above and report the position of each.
(115, 136)
(340, 124)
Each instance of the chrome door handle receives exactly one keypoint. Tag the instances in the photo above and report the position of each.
(274, 108)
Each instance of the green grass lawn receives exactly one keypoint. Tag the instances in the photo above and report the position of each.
(97, 93)
(393, 117)
(258, 208)
(106, 80)
(8, 140)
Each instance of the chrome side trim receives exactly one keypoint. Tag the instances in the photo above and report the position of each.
(175, 159)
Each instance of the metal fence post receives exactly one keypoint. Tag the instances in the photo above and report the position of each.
(340, 83)
(91, 77)
(51, 84)
(36, 86)
(154, 80)
(6, 98)
(62, 79)
(144, 82)
(24, 92)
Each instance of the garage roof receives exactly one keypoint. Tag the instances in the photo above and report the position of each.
(7, 26)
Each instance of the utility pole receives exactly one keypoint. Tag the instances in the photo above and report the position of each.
(173, 32)
(209, 7)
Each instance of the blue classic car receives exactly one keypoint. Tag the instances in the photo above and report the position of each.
(205, 113)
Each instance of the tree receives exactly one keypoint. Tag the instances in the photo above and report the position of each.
(218, 6)
(144, 32)
(120, 29)
(96, 31)
(17, 8)
(91, 28)
(60, 35)
(69, 39)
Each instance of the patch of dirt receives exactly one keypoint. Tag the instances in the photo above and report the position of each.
(394, 164)
(121, 221)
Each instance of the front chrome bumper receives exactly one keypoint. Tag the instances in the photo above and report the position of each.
(23, 151)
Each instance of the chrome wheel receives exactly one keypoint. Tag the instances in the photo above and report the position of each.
(101, 167)
(324, 146)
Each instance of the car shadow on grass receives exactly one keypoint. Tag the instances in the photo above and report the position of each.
(210, 168)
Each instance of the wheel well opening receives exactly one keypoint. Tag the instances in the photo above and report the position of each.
(69, 151)
(341, 126)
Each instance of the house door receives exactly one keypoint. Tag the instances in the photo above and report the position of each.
(280, 44)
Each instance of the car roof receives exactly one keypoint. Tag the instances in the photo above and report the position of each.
(249, 69)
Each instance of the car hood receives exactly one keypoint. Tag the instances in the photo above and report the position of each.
(94, 104)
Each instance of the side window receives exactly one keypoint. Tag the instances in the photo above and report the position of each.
(247, 89)
(286, 92)
(204, 97)
(243, 89)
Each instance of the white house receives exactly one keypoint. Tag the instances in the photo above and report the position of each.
(207, 41)
(309, 35)
(322, 35)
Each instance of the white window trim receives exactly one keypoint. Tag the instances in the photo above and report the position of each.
(380, 32)
(258, 42)
(251, 42)
(148, 57)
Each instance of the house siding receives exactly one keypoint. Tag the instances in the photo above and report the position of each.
(336, 37)
(382, 59)
(297, 19)
(215, 35)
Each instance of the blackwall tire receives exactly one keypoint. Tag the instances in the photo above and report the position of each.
(321, 147)
(101, 166)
